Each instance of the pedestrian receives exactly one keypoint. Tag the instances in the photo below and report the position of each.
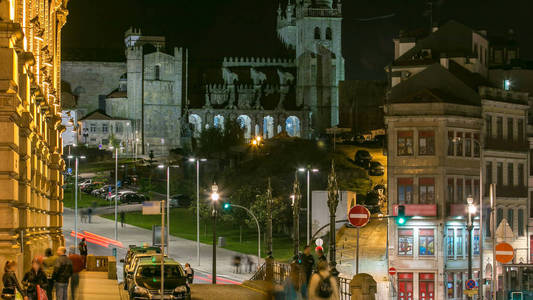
(237, 264)
(48, 265)
(320, 254)
(308, 262)
(10, 281)
(83, 251)
(35, 281)
(89, 214)
(78, 264)
(322, 284)
(122, 218)
(250, 263)
(189, 272)
(294, 287)
(62, 273)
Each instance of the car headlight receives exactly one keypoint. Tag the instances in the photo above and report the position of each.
(181, 289)
(140, 290)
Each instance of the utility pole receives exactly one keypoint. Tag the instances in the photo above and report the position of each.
(333, 202)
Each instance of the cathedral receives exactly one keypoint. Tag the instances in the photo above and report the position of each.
(170, 100)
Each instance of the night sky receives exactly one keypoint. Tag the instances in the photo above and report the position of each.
(215, 28)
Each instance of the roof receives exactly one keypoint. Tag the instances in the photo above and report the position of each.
(452, 39)
(99, 115)
(434, 84)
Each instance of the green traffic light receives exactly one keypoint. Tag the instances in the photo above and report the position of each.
(401, 221)
(226, 205)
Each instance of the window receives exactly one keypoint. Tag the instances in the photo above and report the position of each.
(459, 241)
(507, 84)
(468, 144)
(520, 130)
(510, 174)
(451, 191)
(468, 187)
(426, 143)
(476, 145)
(426, 242)
(530, 162)
(510, 129)
(451, 143)
(157, 72)
(499, 127)
(118, 128)
(450, 285)
(427, 190)
(520, 174)
(488, 125)
(405, 143)
(489, 173)
(93, 127)
(105, 142)
(426, 283)
(405, 242)
(475, 242)
(476, 190)
(317, 33)
(459, 142)
(328, 34)
(450, 243)
(104, 128)
(531, 204)
(405, 190)
(510, 218)
(499, 216)
(460, 195)
(520, 230)
(499, 173)
(405, 286)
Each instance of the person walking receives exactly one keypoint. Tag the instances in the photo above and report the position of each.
(320, 254)
(10, 281)
(48, 265)
(122, 218)
(322, 284)
(250, 263)
(62, 273)
(308, 262)
(83, 251)
(294, 287)
(77, 266)
(34, 280)
(189, 272)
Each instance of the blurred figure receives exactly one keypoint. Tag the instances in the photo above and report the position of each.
(189, 272)
(237, 264)
(62, 273)
(35, 281)
(122, 218)
(48, 265)
(10, 281)
(250, 263)
(78, 264)
(308, 262)
(320, 254)
(322, 285)
(294, 286)
(83, 251)
(89, 214)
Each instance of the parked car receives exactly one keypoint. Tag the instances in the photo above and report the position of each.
(133, 198)
(180, 201)
(362, 158)
(120, 193)
(376, 169)
(145, 282)
(103, 190)
(132, 251)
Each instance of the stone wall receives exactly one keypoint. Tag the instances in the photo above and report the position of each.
(89, 80)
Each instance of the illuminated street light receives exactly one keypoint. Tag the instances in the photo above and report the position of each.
(469, 227)
(214, 198)
(197, 160)
(308, 170)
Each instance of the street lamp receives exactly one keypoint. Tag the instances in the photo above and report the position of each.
(295, 201)
(116, 189)
(309, 206)
(469, 227)
(197, 160)
(214, 199)
(168, 165)
(76, 195)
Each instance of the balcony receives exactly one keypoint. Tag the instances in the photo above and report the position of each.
(506, 145)
(418, 210)
(511, 191)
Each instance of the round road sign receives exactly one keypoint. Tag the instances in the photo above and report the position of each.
(392, 271)
(319, 242)
(504, 253)
(359, 216)
(470, 284)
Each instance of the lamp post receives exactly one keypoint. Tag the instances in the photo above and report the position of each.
(309, 206)
(295, 197)
(197, 160)
(469, 227)
(214, 199)
(168, 165)
(76, 162)
(269, 203)
(333, 202)
(116, 189)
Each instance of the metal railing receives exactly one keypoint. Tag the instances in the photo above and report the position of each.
(344, 288)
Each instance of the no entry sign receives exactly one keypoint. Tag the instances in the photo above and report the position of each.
(504, 253)
(359, 216)
(392, 271)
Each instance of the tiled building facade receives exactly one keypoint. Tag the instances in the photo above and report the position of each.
(30, 143)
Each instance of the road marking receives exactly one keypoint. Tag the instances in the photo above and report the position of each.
(359, 216)
(510, 253)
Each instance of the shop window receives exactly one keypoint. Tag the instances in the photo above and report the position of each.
(405, 286)
(468, 144)
(426, 242)
(405, 190)
(520, 230)
(405, 143)
(510, 174)
(476, 145)
(475, 243)
(427, 190)
(459, 142)
(405, 242)
(450, 243)
(426, 143)
(451, 143)
(426, 284)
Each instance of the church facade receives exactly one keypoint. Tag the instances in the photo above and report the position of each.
(170, 100)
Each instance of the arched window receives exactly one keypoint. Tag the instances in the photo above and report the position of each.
(317, 33)
(292, 126)
(328, 34)
(246, 123)
(157, 72)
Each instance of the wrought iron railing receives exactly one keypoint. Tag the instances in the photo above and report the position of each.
(344, 288)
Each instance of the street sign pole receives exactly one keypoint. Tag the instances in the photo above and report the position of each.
(357, 257)
(358, 216)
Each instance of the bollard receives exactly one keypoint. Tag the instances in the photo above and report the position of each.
(363, 287)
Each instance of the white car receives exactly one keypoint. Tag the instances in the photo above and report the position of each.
(120, 193)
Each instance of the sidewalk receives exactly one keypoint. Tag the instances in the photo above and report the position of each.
(180, 249)
(107, 288)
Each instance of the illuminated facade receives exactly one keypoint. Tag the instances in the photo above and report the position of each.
(30, 144)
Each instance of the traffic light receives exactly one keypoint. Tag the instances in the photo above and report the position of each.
(401, 219)
(226, 205)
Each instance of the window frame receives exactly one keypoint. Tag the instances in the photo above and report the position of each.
(424, 238)
(408, 137)
(428, 138)
(425, 184)
(408, 235)
(404, 187)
